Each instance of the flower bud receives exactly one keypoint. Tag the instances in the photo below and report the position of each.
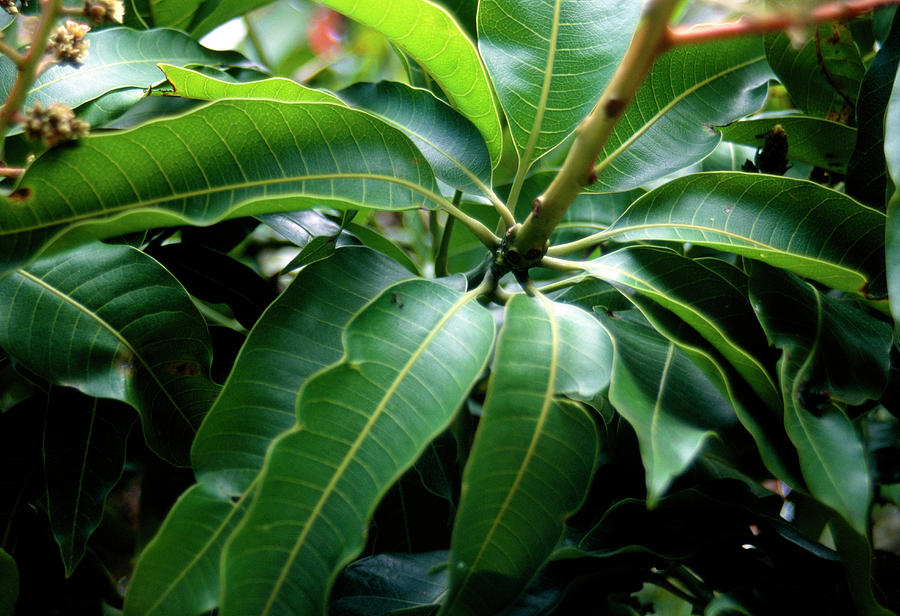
(68, 43)
(54, 124)
(99, 11)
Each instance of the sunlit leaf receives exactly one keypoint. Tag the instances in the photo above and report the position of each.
(230, 158)
(194, 84)
(410, 358)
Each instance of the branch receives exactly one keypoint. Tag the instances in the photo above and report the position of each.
(773, 22)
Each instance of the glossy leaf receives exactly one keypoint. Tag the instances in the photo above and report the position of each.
(707, 301)
(194, 84)
(214, 13)
(550, 61)
(816, 141)
(802, 227)
(672, 404)
(118, 58)
(892, 239)
(300, 333)
(669, 124)
(822, 76)
(867, 178)
(830, 351)
(84, 452)
(434, 39)
(111, 322)
(534, 453)
(451, 143)
(410, 358)
(230, 158)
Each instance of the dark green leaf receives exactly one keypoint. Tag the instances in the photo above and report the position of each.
(448, 141)
(823, 76)
(9, 584)
(227, 159)
(672, 404)
(410, 358)
(84, 451)
(550, 61)
(110, 321)
(669, 125)
(317, 249)
(892, 157)
(300, 333)
(533, 456)
(794, 224)
(867, 178)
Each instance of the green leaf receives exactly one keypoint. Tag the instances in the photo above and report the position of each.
(534, 453)
(111, 322)
(819, 142)
(550, 61)
(214, 13)
(84, 452)
(434, 39)
(299, 334)
(892, 239)
(9, 584)
(669, 124)
(672, 404)
(823, 76)
(867, 178)
(194, 84)
(711, 303)
(797, 225)
(410, 358)
(449, 141)
(376, 241)
(227, 159)
(830, 351)
(118, 58)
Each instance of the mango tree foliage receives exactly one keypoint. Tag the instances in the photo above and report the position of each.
(266, 349)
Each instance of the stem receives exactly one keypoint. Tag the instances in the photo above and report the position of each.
(7, 50)
(28, 68)
(440, 258)
(773, 22)
(561, 265)
(584, 243)
(565, 283)
(578, 169)
(11, 172)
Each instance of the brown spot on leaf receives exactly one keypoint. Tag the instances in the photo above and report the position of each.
(184, 368)
(20, 195)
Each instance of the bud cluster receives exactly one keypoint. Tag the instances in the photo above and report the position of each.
(99, 11)
(54, 124)
(68, 43)
(9, 6)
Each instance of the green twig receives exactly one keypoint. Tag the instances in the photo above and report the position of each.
(7, 50)
(442, 254)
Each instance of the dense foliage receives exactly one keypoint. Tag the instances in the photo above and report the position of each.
(380, 311)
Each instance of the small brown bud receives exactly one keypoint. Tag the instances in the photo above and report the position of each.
(9, 6)
(54, 124)
(68, 43)
(99, 11)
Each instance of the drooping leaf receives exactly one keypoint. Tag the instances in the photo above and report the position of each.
(830, 351)
(111, 322)
(797, 225)
(707, 301)
(436, 41)
(670, 123)
(823, 76)
(816, 141)
(672, 404)
(194, 84)
(84, 452)
(300, 333)
(227, 159)
(449, 141)
(410, 358)
(550, 61)
(533, 456)
(118, 58)
(867, 179)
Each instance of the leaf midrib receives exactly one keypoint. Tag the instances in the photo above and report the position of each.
(357, 444)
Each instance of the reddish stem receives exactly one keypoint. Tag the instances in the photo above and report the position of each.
(773, 22)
